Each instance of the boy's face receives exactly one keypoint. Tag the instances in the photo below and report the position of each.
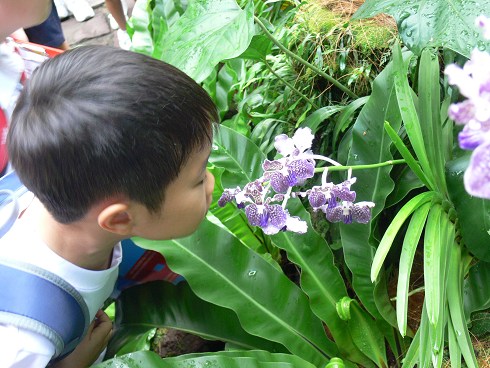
(187, 200)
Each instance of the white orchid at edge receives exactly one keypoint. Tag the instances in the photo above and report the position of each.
(473, 81)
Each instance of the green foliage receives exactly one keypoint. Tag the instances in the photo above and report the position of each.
(228, 359)
(272, 80)
(438, 23)
(210, 30)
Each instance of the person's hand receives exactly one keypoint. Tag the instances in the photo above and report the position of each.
(92, 345)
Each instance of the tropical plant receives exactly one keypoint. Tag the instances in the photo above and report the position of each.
(399, 147)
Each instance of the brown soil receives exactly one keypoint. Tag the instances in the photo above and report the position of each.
(169, 343)
(349, 7)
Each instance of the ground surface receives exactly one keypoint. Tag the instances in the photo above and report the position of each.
(95, 31)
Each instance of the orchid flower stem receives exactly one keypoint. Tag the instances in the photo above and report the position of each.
(304, 62)
(324, 176)
(413, 292)
(286, 197)
(325, 158)
(266, 190)
(291, 86)
(360, 167)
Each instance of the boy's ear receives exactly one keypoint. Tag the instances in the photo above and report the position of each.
(116, 218)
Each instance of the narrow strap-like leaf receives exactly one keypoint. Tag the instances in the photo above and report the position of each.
(414, 165)
(411, 357)
(430, 123)
(410, 242)
(455, 302)
(432, 276)
(454, 349)
(389, 236)
(409, 113)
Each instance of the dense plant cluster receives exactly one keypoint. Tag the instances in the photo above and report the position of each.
(382, 170)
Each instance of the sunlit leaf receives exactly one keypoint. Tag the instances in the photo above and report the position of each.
(228, 359)
(207, 33)
(436, 23)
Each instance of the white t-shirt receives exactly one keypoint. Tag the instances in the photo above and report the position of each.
(22, 348)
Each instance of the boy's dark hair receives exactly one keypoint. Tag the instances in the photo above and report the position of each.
(97, 121)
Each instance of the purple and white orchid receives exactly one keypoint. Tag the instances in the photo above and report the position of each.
(297, 163)
(473, 81)
(294, 168)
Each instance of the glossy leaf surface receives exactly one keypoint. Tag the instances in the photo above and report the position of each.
(370, 144)
(221, 270)
(207, 33)
(436, 23)
(226, 359)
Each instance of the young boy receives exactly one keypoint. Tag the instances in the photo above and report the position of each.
(112, 144)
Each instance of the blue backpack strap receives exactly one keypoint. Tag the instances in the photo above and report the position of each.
(37, 300)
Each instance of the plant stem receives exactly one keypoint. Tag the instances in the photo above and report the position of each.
(413, 292)
(304, 62)
(360, 167)
(291, 86)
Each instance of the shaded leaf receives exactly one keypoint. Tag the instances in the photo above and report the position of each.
(178, 307)
(473, 213)
(476, 296)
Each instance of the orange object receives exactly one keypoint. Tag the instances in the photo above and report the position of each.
(40, 49)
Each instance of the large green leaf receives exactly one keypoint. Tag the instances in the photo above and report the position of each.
(473, 213)
(476, 296)
(140, 22)
(176, 306)
(320, 278)
(422, 23)
(370, 145)
(225, 359)
(237, 154)
(221, 270)
(207, 33)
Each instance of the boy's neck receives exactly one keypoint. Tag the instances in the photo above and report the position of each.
(82, 243)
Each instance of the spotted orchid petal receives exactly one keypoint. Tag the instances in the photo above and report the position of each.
(272, 165)
(303, 169)
(277, 219)
(257, 214)
(477, 175)
(462, 112)
(361, 211)
(279, 182)
(317, 199)
(334, 214)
